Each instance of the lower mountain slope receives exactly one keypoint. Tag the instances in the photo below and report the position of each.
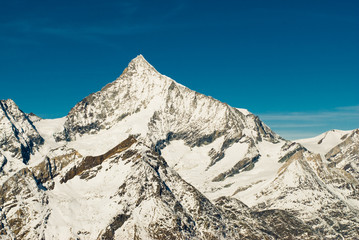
(320, 189)
(127, 193)
(345, 155)
(323, 197)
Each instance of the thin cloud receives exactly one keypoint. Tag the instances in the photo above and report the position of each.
(349, 112)
(120, 24)
(132, 18)
(349, 108)
(102, 34)
(296, 125)
(295, 135)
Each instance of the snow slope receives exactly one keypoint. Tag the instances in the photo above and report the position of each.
(324, 142)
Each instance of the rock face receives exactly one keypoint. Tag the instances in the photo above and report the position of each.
(147, 158)
(19, 137)
(345, 155)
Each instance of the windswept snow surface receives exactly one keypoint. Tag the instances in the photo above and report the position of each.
(192, 164)
(324, 142)
(47, 128)
(82, 205)
(94, 144)
(244, 111)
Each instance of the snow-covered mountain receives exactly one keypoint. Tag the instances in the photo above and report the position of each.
(147, 158)
(346, 154)
(144, 102)
(324, 142)
(128, 192)
(339, 148)
(19, 138)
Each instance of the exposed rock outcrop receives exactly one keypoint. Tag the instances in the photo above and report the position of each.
(19, 136)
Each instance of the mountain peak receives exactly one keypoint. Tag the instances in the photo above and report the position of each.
(140, 64)
(139, 58)
(9, 105)
(19, 136)
(8, 102)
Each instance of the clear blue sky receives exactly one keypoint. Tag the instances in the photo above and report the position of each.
(294, 63)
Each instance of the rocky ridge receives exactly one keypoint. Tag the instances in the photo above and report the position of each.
(19, 138)
(345, 155)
